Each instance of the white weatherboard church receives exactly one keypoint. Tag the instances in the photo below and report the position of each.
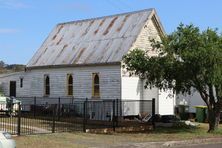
(83, 59)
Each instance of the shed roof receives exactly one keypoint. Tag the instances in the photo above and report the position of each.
(91, 41)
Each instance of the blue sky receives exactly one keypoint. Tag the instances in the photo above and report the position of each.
(24, 24)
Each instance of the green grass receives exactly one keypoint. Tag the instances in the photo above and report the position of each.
(82, 140)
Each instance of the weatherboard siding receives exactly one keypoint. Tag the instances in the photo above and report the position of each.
(143, 41)
(5, 83)
(82, 82)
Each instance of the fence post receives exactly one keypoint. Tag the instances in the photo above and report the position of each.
(59, 104)
(117, 112)
(85, 112)
(153, 113)
(34, 107)
(114, 117)
(19, 120)
(53, 118)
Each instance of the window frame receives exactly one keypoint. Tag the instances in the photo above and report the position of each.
(46, 86)
(68, 85)
(94, 94)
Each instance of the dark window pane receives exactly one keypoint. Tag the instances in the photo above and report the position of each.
(47, 85)
(70, 85)
(21, 82)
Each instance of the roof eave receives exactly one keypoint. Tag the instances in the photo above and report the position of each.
(72, 65)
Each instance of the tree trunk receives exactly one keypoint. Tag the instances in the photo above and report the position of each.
(213, 118)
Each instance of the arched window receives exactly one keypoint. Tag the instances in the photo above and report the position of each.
(96, 88)
(47, 85)
(69, 85)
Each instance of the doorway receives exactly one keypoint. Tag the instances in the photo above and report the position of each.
(12, 88)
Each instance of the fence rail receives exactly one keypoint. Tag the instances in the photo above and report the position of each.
(50, 115)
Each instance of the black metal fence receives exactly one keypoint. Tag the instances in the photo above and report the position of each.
(49, 115)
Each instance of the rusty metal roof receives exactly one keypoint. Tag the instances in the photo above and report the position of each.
(99, 40)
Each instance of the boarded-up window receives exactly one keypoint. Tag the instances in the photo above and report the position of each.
(47, 85)
(69, 85)
(96, 85)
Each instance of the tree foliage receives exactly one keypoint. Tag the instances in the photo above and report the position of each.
(6, 68)
(188, 58)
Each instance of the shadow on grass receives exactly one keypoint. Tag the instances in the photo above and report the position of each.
(176, 129)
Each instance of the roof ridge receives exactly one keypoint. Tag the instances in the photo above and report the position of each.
(96, 18)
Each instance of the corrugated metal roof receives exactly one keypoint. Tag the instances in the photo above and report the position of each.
(100, 40)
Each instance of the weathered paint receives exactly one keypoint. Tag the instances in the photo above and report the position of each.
(100, 40)
(92, 46)
(82, 82)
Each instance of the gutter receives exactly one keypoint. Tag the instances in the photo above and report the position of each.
(71, 65)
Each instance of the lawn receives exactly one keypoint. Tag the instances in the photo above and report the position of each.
(81, 140)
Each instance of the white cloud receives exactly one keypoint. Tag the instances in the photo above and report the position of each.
(12, 4)
(7, 30)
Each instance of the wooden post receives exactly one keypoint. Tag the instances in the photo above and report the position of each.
(53, 118)
(19, 120)
(153, 113)
(34, 107)
(85, 112)
(114, 117)
(59, 104)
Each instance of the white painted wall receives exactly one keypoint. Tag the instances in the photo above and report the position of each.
(166, 102)
(131, 90)
(5, 83)
(149, 94)
(110, 81)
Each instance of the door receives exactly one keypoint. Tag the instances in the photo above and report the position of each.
(13, 88)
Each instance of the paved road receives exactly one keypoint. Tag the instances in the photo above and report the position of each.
(215, 145)
(166, 145)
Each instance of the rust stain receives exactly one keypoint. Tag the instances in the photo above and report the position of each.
(95, 32)
(123, 22)
(91, 53)
(79, 55)
(62, 50)
(60, 28)
(60, 53)
(102, 22)
(110, 25)
(59, 41)
(87, 29)
(54, 37)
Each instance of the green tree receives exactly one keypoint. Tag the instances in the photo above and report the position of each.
(187, 58)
